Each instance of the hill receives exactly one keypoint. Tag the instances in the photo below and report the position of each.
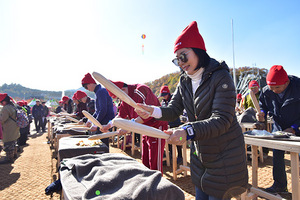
(243, 76)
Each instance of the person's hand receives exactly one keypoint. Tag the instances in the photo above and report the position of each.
(122, 132)
(105, 128)
(144, 114)
(177, 136)
(260, 116)
(80, 122)
(88, 124)
(94, 128)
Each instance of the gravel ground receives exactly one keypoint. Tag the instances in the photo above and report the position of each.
(35, 169)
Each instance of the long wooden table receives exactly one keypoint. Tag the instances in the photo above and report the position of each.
(292, 146)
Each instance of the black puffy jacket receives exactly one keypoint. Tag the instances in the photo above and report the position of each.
(218, 160)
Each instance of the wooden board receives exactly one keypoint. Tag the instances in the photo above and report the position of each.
(103, 135)
(116, 91)
(91, 118)
(72, 119)
(139, 128)
(254, 100)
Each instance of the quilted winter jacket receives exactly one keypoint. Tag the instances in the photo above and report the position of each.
(11, 131)
(218, 160)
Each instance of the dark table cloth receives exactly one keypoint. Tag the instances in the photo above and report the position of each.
(113, 177)
(68, 148)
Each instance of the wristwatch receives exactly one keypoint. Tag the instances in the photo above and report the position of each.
(190, 131)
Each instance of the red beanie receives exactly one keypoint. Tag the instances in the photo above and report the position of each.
(80, 94)
(190, 38)
(119, 84)
(65, 98)
(2, 96)
(239, 96)
(253, 83)
(20, 103)
(74, 97)
(88, 79)
(277, 76)
(25, 103)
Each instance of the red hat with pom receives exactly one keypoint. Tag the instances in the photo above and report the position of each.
(87, 79)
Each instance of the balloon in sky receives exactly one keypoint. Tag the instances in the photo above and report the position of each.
(143, 37)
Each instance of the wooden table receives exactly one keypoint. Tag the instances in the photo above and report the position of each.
(292, 146)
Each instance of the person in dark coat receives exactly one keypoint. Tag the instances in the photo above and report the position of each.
(45, 114)
(280, 99)
(59, 107)
(78, 95)
(103, 104)
(68, 104)
(38, 113)
(206, 91)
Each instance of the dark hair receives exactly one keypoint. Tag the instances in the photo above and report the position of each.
(204, 58)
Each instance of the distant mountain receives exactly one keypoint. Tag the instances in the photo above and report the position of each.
(243, 76)
(18, 91)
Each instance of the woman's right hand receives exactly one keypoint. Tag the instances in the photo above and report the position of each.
(142, 113)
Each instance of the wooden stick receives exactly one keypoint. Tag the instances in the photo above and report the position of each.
(103, 135)
(92, 119)
(254, 100)
(139, 128)
(72, 119)
(116, 91)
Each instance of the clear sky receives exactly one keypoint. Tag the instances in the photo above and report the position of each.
(50, 45)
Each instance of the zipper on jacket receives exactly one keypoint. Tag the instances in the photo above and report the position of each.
(201, 181)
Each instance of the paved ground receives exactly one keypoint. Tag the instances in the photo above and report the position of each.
(35, 169)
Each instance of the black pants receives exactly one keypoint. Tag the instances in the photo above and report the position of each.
(38, 121)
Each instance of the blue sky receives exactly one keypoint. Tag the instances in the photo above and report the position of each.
(50, 45)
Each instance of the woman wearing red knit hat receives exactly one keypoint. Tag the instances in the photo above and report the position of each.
(280, 99)
(206, 91)
(10, 129)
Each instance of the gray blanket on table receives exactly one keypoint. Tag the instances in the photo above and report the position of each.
(114, 176)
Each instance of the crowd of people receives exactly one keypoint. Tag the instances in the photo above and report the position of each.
(206, 93)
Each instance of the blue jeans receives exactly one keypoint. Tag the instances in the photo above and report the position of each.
(200, 195)
(279, 174)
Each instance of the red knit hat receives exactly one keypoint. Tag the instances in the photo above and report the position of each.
(74, 97)
(80, 94)
(88, 79)
(164, 90)
(120, 84)
(253, 83)
(65, 99)
(277, 76)
(239, 96)
(2, 96)
(20, 103)
(190, 38)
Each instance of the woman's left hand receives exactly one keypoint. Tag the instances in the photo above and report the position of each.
(177, 136)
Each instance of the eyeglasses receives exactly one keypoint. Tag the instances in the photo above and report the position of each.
(181, 58)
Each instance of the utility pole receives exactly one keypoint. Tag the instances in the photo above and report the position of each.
(233, 58)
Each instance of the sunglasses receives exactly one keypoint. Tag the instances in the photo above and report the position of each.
(181, 58)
